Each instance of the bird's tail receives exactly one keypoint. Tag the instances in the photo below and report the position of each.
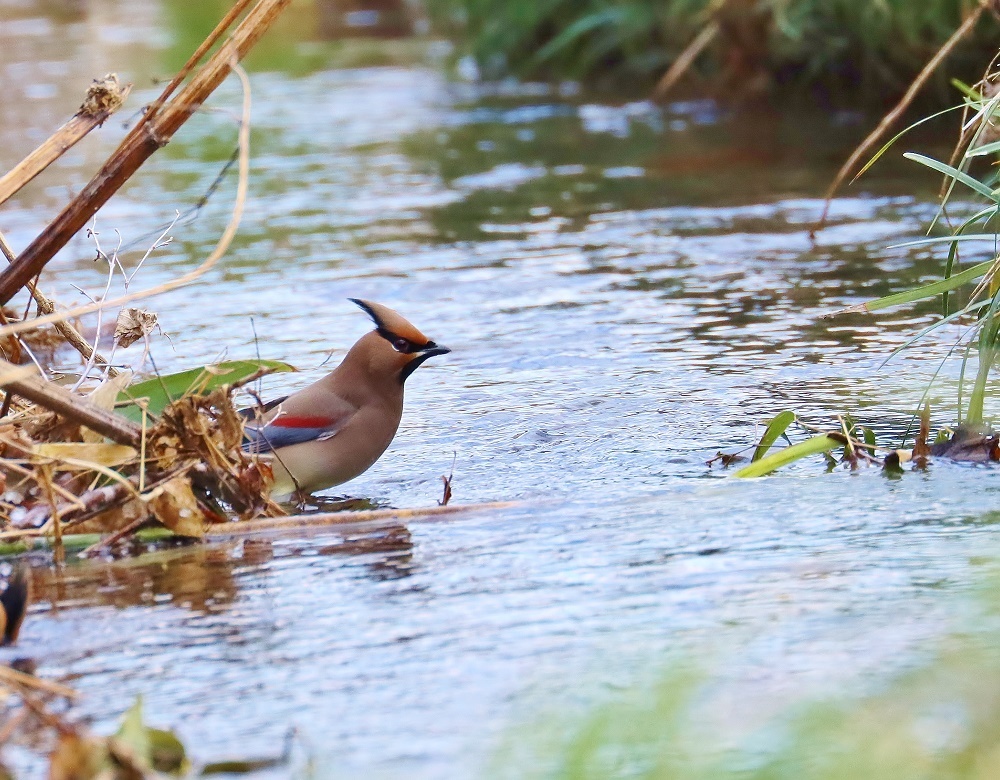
(14, 603)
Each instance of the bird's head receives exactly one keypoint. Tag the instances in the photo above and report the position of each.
(396, 347)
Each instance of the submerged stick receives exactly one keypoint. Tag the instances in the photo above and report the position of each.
(319, 520)
(890, 119)
(104, 97)
(137, 148)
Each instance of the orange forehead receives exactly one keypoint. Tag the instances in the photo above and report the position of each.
(392, 321)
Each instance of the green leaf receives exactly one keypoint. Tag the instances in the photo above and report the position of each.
(953, 173)
(778, 425)
(817, 444)
(985, 149)
(160, 391)
(133, 732)
(926, 291)
(991, 237)
(895, 138)
(166, 752)
(966, 90)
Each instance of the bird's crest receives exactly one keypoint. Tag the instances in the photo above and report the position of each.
(391, 323)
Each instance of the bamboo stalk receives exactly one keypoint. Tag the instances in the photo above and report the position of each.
(104, 97)
(137, 148)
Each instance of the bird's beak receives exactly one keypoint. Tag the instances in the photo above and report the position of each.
(430, 350)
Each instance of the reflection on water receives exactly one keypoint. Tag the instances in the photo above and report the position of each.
(627, 289)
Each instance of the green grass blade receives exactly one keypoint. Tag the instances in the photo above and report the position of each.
(971, 308)
(954, 173)
(778, 425)
(985, 149)
(160, 391)
(888, 144)
(927, 291)
(817, 444)
(988, 333)
(953, 239)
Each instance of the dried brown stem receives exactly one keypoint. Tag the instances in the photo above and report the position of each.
(220, 248)
(116, 537)
(239, 528)
(686, 59)
(21, 680)
(72, 407)
(213, 37)
(890, 119)
(67, 331)
(104, 97)
(138, 147)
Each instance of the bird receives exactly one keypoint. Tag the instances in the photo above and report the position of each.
(336, 428)
(14, 604)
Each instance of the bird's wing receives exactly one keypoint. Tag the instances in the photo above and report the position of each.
(286, 428)
(251, 412)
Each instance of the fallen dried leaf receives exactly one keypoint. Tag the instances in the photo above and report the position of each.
(175, 506)
(133, 324)
(103, 454)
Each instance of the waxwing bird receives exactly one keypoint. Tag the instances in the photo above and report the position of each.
(337, 427)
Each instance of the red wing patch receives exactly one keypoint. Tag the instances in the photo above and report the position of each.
(287, 421)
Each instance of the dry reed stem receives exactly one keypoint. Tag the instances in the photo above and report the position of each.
(114, 538)
(104, 97)
(319, 520)
(890, 119)
(224, 24)
(686, 59)
(220, 248)
(67, 331)
(12, 725)
(21, 680)
(56, 399)
(136, 149)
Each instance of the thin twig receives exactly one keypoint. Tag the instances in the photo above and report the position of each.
(685, 60)
(67, 331)
(241, 527)
(22, 680)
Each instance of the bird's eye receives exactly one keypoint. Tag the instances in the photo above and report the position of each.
(401, 345)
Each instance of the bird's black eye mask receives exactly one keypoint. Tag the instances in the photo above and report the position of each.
(404, 345)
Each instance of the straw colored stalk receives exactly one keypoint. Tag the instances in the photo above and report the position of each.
(57, 399)
(104, 97)
(137, 147)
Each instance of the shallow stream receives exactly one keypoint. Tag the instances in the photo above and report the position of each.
(627, 290)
